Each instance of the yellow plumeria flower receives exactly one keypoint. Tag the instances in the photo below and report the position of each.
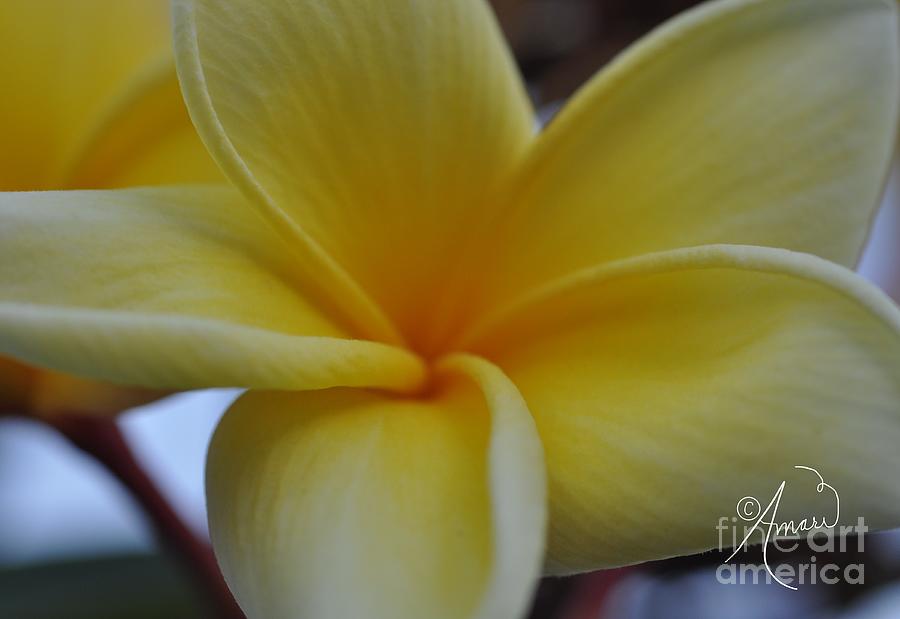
(91, 100)
(475, 354)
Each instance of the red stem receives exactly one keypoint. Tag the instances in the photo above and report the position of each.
(102, 439)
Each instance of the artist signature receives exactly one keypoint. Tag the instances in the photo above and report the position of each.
(749, 508)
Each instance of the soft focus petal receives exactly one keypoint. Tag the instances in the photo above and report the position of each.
(90, 100)
(55, 393)
(667, 387)
(376, 128)
(748, 122)
(169, 288)
(345, 503)
(15, 386)
(62, 62)
(144, 137)
(28, 390)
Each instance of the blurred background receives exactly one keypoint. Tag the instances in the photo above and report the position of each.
(73, 544)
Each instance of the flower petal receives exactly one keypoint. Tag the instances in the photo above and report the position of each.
(43, 393)
(345, 503)
(15, 386)
(91, 100)
(62, 62)
(376, 129)
(169, 288)
(517, 481)
(143, 137)
(53, 394)
(667, 387)
(743, 121)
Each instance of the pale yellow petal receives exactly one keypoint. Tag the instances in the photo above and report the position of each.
(143, 137)
(665, 388)
(517, 482)
(760, 122)
(91, 100)
(377, 129)
(346, 503)
(61, 62)
(171, 288)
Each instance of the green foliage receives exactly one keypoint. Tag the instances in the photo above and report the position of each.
(126, 587)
